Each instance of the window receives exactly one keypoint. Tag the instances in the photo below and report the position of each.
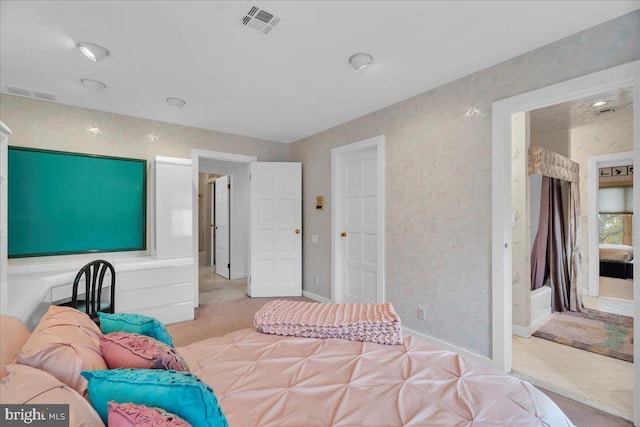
(616, 228)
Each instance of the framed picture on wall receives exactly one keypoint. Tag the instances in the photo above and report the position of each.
(619, 171)
(605, 172)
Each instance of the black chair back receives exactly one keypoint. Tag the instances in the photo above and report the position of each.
(94, 274)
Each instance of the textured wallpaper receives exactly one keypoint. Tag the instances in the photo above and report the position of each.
(41, 124)
(521, 228)
(438, 183)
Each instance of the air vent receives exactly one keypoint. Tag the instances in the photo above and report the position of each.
(606, 111)
(260, 20)
(31, 93)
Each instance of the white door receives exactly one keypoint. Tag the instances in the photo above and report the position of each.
(276, 229)
(357, 172)
(222, 226)
(212, 226)
(359, 224)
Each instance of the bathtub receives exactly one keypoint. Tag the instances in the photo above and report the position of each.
(540, 306)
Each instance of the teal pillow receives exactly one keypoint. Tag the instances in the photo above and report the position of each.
(136, 323)
(180, 393)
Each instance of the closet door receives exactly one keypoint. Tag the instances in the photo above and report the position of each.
(173, 210)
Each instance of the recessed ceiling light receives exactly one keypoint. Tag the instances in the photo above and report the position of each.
(360, 60)
(93, 84)
(599, 103)
(176, 102)
(93, 51)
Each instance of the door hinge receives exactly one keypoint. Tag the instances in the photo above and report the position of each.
(229, 186)
(228, 265)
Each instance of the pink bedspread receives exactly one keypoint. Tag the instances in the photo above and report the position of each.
(377, 323)
(274, 381)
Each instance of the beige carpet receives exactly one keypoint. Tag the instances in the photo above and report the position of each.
(218, 319)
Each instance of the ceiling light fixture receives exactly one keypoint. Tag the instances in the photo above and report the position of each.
(360, 60)
(93, 84)
(599, 103)
(176, 102)
(93, 51)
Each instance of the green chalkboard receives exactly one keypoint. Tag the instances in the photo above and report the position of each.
(68, 203)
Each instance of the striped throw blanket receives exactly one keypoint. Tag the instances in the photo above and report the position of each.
(376, 323)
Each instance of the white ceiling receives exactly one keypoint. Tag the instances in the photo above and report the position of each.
(579, 112)
(283, 86)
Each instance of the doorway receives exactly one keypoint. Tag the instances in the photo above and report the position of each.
(576, 354)
(615, 78)
(235, 166)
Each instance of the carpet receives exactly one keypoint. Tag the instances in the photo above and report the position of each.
(595, 331)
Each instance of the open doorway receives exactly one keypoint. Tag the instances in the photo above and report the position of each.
(232, 284)
(627, 75)
(214, 237)
(586, 352)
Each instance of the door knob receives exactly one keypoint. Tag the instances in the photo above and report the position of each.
(297, 231)
(343, 234)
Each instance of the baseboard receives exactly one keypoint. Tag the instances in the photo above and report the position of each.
(446, 346)
(521, 331)
(540, 321)
(315, 297)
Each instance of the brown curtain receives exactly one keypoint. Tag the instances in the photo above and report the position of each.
(556, 254)
(575, 294)
(539, 268)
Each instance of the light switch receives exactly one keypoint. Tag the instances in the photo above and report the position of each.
(314, 238)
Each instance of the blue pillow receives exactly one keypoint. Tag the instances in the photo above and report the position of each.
(136, 323)
(180, 393)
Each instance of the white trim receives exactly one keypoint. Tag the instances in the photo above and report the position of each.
(4, 128)
(378, 142)
(315, 297)
(627, 75)
(594, 163)
(173, 160)
(196, 155)
(448, 347)
(521, 331)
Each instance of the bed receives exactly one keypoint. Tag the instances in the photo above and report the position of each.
(616, 261)
(268, 380)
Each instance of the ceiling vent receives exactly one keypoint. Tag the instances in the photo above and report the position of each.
(260, 20)
(31, 93)
(607, 110)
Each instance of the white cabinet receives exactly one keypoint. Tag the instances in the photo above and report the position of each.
(173, 208)
(4, 138)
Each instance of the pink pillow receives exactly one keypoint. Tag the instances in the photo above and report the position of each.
(132, 415)
(13, 334)
(65, 343)
(130, 350)
(27, 385)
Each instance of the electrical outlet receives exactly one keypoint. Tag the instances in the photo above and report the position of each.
(422, 313)
(314, 238)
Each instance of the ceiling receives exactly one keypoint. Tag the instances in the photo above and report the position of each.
(573, 114)
(283, 86)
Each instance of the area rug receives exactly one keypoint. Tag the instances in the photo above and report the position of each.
(595, 331)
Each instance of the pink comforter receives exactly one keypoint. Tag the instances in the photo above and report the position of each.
(268, 380)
